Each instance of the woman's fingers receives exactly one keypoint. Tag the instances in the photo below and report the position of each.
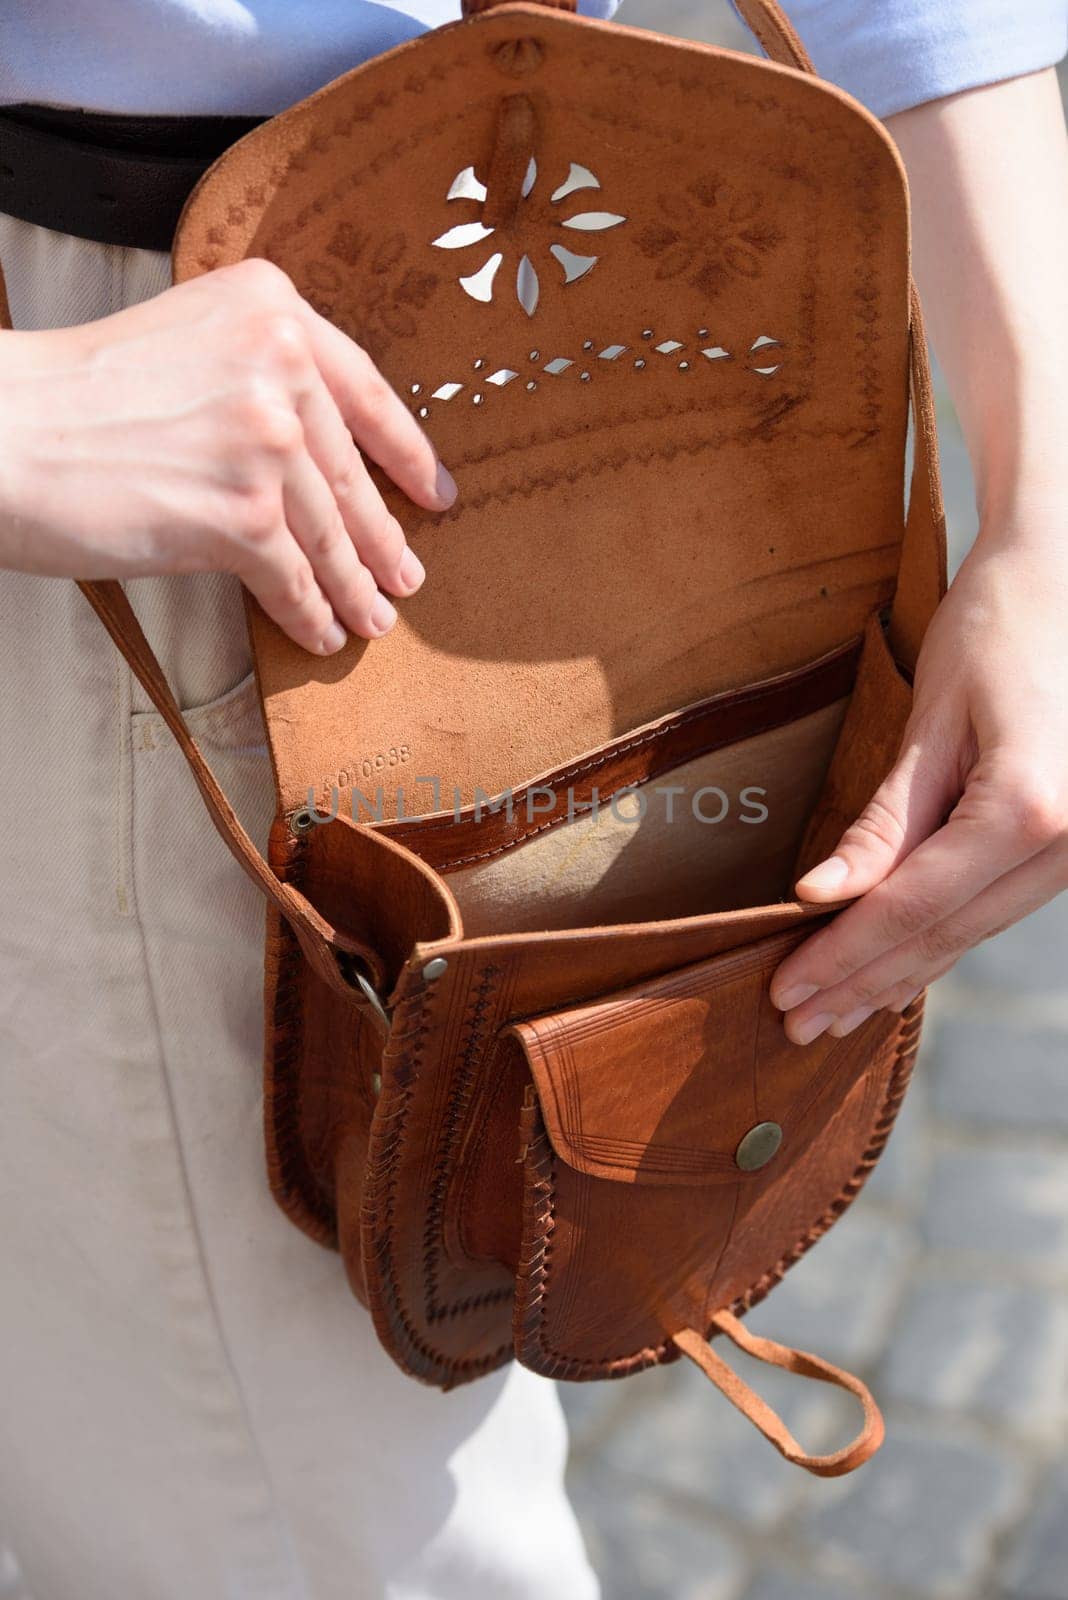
(896, 998)
(898, 974)
(377, 418)
(374, 531)
(981, 841)
(353, 544)
(314, 519)
(276, 571)
(906, 808)
(210, 429)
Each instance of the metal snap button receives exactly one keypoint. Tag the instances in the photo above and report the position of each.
(434, 969)
(758, 1146)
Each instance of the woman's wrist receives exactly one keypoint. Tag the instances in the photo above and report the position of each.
(1017, 451)
(35, 366)
(1013, 410)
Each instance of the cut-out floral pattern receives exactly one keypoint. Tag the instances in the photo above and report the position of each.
(710, 234)
(763, 358)
(533, 216)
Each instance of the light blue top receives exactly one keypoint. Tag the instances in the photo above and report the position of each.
(893, 54)
(258, 56)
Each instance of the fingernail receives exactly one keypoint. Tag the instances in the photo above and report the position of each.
(795, 996)
(830, 874)
(445, 485)
(813, 1027)
(851, 1020)
(412, 571)
(383, 615)
(332, 639)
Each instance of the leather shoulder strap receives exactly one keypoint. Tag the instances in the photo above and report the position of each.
(319, 938)
(921, 578)
(773, 30)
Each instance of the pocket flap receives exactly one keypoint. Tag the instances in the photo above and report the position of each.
(662, 1082)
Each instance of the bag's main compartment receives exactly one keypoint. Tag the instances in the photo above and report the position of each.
(701, 811)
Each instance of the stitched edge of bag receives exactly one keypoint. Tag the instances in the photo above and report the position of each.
(288, 1172)
(393, 1324)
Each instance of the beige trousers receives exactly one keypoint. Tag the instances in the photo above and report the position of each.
(192, 1406)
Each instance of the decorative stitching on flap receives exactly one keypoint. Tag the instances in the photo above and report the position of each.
(560, 1035)
(535, 1263)
(477, 1028)
(900, 1077)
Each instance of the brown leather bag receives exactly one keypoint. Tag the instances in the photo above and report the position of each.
(652, 302)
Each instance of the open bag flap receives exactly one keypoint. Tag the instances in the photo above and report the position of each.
(650, 300)
(689, 1078)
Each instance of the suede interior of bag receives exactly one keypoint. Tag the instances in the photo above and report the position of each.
(680, 472)
(636, 861)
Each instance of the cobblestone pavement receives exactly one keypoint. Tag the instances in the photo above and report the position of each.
(946, 1287)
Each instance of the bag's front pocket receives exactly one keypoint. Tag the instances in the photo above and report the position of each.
(681, 1152)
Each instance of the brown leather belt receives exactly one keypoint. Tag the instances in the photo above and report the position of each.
(116, 179)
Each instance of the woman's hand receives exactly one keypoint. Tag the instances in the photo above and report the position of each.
(217, 427)
(969, 832)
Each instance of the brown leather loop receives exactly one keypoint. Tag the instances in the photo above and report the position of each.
(692, 1344)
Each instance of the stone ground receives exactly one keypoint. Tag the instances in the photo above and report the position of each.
(946, 1287)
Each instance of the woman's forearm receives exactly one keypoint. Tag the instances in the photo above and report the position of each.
(969, 832)
(988, 174)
